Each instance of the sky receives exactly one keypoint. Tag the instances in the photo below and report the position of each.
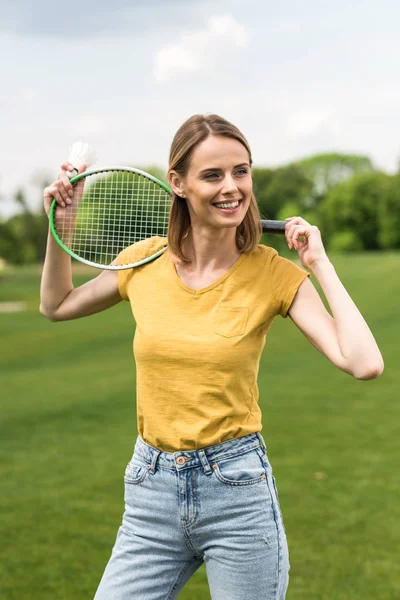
(297, 77)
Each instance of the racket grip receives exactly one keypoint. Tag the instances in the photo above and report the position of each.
(269, 226)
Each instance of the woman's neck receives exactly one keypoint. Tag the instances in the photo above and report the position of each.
(210, 250)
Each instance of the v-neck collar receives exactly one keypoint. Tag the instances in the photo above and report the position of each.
(194, 292)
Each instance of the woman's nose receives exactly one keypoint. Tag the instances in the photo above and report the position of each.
(229, 185)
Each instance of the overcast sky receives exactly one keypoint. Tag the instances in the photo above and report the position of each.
(297, 77)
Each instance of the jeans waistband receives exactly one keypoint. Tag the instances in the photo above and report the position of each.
(187, 459)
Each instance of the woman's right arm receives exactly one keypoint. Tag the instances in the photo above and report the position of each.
(59, 300)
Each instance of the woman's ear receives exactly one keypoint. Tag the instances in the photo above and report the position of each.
(176, 183)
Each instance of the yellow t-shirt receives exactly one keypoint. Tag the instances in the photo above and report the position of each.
(197, 352)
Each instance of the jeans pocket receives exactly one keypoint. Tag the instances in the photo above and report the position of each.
(135, 472)
(243, 469)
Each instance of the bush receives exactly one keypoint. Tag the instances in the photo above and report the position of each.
(345, 241)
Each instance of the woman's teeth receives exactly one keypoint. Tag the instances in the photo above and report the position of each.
(227, 204)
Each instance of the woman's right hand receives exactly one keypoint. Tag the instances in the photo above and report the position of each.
(61, 189)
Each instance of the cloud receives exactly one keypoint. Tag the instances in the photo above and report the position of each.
(200, 49)
(309, 123)
(93, 18)
(29, 95)
(96, 125)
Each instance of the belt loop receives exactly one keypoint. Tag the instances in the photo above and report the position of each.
(204, 461)
(155, 456)
(260, 437)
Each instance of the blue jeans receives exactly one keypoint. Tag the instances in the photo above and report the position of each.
(217, 505)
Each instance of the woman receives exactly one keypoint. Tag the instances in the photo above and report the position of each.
(199, 487)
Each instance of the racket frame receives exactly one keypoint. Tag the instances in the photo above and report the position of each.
(98, 171)
(268, 226)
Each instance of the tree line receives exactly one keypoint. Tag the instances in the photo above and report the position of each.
(355, 205)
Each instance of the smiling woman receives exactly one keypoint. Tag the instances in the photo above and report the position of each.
(210, 176)
(199, 486)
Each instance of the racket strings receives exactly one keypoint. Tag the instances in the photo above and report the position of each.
(111, 212)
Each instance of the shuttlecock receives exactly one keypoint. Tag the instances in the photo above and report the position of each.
(80, 153)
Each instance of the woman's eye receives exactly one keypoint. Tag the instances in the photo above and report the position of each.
(239, 172)
(214, 175)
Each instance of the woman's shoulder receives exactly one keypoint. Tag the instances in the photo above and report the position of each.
(266, 250)
(270, 259)
(263, 253)
(142, 249)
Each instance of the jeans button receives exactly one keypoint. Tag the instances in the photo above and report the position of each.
(180, 460)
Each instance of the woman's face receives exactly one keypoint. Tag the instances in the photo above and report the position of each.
(218, 185)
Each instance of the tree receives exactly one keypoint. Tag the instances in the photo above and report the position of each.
(354, 206)
(328, 169)
(23, 236)
(274, 188)
(389, 215)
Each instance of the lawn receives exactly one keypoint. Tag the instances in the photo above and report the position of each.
(68, 427)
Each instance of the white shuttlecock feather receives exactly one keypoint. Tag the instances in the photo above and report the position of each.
(81, 153)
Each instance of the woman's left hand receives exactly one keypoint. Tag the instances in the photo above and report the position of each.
(311, 250)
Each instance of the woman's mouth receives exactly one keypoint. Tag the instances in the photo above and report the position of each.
(228, 206)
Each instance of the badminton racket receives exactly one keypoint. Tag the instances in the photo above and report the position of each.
(112, 209)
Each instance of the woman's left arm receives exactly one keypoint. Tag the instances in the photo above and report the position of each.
(345, 339)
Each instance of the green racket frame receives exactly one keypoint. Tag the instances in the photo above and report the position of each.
(268, 226)
(97, 171)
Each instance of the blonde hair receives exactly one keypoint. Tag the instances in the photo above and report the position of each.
(194, 131)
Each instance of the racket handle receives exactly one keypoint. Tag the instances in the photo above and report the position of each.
(273, 226)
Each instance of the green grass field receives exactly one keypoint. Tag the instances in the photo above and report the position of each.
(68, 427)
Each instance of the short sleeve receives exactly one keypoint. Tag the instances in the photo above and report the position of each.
(286, 278)
(141, 250)
(124, 275)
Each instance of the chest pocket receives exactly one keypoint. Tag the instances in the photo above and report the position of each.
(230, 321)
